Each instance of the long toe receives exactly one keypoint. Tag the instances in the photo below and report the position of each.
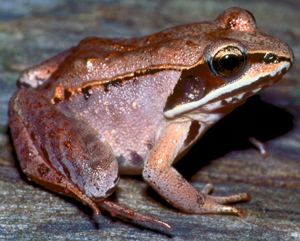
(240, 197)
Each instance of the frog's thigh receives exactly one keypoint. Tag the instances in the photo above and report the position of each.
(57, 155)
(37, 170)
(37, 74)
(159, 173)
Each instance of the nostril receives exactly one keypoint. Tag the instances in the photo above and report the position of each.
(270, 58)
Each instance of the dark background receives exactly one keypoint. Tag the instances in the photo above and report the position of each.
(33, 30)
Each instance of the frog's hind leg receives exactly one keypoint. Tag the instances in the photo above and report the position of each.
(38, 74)
(162, 177)
(58, 152)
(66, 157)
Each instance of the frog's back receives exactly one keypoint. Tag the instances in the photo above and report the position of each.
(99, 60)
(96, 61)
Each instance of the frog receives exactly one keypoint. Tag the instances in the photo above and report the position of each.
(135, 106)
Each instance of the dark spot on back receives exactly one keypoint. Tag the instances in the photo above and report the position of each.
(87, 91)
(56, 100)
(107, 86)
(116, 83)
(67, 94)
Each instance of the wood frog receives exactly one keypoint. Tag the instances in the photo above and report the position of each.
(135, 106)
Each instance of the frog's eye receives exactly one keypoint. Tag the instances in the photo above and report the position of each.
(228, 62)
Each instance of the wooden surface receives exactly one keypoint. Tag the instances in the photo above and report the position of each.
(33, 30)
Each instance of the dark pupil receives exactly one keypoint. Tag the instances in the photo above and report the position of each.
(228, 64)
(228, 61)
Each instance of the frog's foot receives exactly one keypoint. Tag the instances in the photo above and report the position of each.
(134, 217)
(215, 204)
(240, 197)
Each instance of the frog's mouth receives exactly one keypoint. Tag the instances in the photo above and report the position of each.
(238, 96)
(234, 92)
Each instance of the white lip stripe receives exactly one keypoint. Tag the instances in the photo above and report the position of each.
(246, 80)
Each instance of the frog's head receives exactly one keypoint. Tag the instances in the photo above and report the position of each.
(237, 61)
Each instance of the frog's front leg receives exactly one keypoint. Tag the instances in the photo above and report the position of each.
(37, 74)
(162, 177)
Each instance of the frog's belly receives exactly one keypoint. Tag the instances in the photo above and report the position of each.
(127, 117)
(131, 141)
(131, 137)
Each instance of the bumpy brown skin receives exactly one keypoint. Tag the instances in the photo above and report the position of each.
(176, 48)
(103, 102)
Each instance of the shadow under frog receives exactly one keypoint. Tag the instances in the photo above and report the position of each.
(256, 118)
